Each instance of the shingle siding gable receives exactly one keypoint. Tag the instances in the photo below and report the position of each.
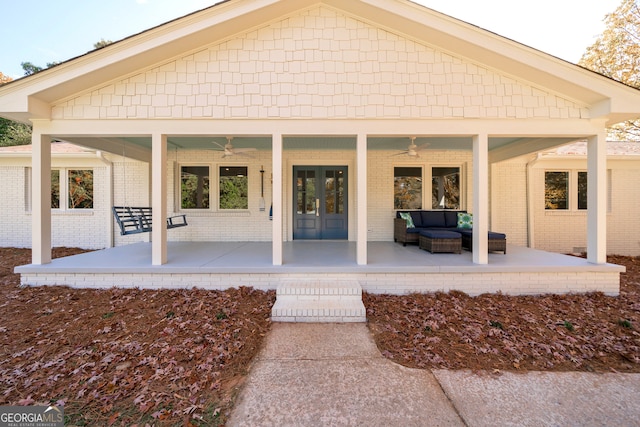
(318, 64)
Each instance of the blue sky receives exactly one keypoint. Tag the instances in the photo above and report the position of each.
(42, 31)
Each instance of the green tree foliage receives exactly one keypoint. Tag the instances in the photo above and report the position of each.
(195, 187)
(102, 43)
(234, 192)
(616, 54)
(30, 68)
(14, 133)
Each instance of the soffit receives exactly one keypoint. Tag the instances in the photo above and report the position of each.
(127, 146)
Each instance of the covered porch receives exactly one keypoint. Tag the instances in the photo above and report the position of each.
(317, 83)
(391, 268)
(369, 158)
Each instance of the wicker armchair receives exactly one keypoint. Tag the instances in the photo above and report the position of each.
(402, 234)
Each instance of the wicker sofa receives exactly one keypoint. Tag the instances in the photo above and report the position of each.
(440, 220)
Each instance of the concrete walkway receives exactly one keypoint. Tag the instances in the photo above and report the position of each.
(334, 375)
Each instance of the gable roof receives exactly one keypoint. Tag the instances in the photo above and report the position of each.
(32, 97)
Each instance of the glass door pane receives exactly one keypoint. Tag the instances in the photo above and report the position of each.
(330, 192)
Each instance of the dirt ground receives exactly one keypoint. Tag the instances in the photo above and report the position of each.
(121, 357)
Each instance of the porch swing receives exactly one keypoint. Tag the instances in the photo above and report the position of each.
(136, 219)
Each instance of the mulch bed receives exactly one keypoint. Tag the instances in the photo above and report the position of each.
(124, 356)
(127, 357)
(589, 332)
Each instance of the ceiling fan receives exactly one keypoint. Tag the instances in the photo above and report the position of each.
(229, 151)
(413, 150)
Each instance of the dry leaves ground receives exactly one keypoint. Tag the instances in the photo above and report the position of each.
(126, 357)
(177, 357)
(589, 332)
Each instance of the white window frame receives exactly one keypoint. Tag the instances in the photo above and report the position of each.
(573, 191)
(178, 187)
(393, 177)
(64, 188)
(214, 187)
(429, 176)
(231, 165)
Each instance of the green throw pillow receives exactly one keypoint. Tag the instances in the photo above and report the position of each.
(465, 220)
(407, 217)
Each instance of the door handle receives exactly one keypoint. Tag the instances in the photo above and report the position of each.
(317, 207)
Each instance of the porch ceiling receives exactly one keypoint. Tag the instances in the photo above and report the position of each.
(501, 148)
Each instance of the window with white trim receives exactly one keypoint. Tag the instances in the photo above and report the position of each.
(199, 190)
(567, 190)
(233, 187)
(79, 188)
(445, 187)
(71, 189)
(194, 187)
(407, 187)
(556, 190)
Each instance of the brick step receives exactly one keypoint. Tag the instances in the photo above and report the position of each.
(319, 287)
(318, 301)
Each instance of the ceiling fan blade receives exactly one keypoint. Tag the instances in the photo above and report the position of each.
(244, 150)
(221, 146)
(423, 146)
(244, 154)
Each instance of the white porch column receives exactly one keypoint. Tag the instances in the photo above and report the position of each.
(276, 240)
(597, 198)
(361, 150)
(159, 199)
(41, 198)
(480, 198)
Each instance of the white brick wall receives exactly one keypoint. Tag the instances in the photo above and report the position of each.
(564, 231)
(131, 187)
(75, 228)
(509, 201)
(215, 224)
(318, 64)
(15, 221)
(623, 233)
(380, 183)
(554, 231)
(530, 283)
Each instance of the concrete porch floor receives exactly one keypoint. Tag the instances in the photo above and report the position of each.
(391, 268)
(307, 256)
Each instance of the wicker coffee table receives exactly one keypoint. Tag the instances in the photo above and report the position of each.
(497, 242)
(440, 241)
